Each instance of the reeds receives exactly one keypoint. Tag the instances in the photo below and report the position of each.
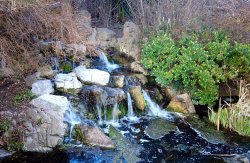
(234, 117)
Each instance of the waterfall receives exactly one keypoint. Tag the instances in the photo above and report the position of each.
(131, 115)
(72, 119)
(155, 109)
(130, 106)
(55, 63)
(109, 66)
(99, 111)
(115, 114)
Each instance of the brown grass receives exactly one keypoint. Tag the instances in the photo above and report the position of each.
(24, 23)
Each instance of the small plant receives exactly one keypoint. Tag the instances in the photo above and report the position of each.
(39, 122)
(15, 146)
(25, 95)
(15, 142)
(4, 125)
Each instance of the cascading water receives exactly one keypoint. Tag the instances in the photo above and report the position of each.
(109, 66)
(99, 111)
(115, 118)
(130, 115)
(155, 109)
(72, 119)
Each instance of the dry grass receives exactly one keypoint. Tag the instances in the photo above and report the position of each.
(24, 23)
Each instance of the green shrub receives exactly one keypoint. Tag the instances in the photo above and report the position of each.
(66, 67)
(197, 63)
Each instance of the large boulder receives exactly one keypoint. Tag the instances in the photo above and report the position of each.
(42, 87)
(106, 96)
(105, 38)
(92, 76)
(45, 128)
(182, 103)
(67, 82)
(137, 95)
(130, 42)
(93, 136)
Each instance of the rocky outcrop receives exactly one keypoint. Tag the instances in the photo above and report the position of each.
(170, 92)
(42, 87)
(93, 136)
(44, 126)
(77, 50)
(117, 81)
(137, 67)
(97, 95)
(105, 38)
(182, 103)
(130, 42)
(67, 82)
(45, 72)
(92, 76)
(136, 94)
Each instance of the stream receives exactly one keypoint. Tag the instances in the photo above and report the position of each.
(153, 136)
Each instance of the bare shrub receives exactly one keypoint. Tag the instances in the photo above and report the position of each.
(23, 24)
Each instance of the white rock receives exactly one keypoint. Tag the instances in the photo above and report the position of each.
(42, 87)
(67, 81)
(48, 127)
(92, 76)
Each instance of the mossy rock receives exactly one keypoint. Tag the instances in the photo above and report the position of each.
(136, 94)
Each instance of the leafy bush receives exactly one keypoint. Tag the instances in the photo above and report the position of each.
(25, 95)
(197, 63)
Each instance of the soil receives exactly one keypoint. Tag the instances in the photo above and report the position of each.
(9, 89)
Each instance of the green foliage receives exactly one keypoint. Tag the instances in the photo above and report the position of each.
(231, 118)
(25, 95)
(15, 146)
(197, 63)
(4, 125)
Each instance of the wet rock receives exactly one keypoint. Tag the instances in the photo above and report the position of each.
(137, 67)
(86, 63)
(158, 128)
(98, 95)
(45, 72)
(93, 136)
(206, 130)
(130, 41)
(45, 128)
(92, 76)
(129, 151)
(67, 82)
(122, 58)
(30, 79)
(182, 103)
(142, 78)
(117, 81)
(42, 87)
(136, 94)
(4, 154)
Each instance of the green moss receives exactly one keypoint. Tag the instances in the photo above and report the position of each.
(39, 122)
(123, 108)
(15, 146)
(66, 67)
